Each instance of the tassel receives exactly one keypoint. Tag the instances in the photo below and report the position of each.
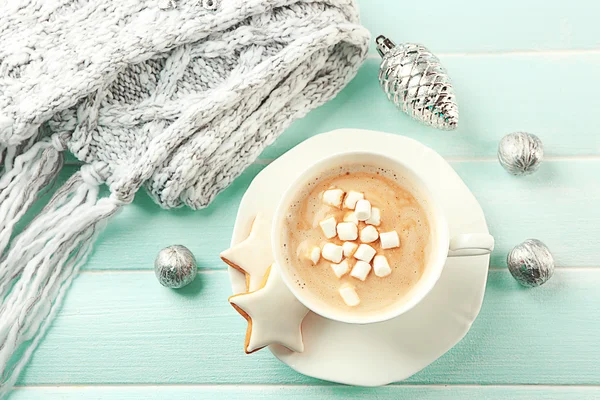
(24, 179)
(41, 263)
(9, 153)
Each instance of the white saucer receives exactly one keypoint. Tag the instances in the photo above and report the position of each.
(378, 354)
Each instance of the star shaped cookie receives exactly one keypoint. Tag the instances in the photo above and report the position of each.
(253, 256)
(273, 313)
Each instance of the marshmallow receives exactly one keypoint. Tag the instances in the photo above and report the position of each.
(315, 254)
(349, 296)
(333, 197)
(328, 225)
(375, 218)
(389, 240)
(347, 231)
(351, 198)
(368, 234)
(351, 217)
(361, 270)
(381, 266)
(332, 252)
(363, 210)
(340, 269)
(364, 253)
(349, 248)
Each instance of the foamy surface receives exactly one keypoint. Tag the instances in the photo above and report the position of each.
(400, 211)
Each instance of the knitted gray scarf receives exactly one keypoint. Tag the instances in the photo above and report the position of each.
(180, 100)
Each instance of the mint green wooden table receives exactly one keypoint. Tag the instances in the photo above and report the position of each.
(528, 65)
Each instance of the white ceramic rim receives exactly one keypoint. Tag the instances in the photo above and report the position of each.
(436, 260)
(412, 341)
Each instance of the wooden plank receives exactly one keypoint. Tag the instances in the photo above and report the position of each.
(496, 95)
(557, 205)
(259, 392)
(485, 26)
(125, 328)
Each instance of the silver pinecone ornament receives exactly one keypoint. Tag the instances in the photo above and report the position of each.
(414, 79)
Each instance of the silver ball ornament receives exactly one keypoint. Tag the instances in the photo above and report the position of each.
(531, 263)
(175, 267)
(520, 153)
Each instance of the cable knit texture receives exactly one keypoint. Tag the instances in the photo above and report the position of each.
(176, 95)
(180, 99)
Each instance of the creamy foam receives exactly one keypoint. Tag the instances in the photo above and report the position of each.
(400, 211)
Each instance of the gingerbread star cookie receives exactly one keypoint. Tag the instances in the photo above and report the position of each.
(273, 313)
(253, 256)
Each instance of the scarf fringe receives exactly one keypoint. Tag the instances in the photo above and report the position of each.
(43, 260)
(23, 180)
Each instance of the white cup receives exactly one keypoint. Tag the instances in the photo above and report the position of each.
(439, 248)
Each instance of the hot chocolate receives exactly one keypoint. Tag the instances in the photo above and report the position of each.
(356, 238)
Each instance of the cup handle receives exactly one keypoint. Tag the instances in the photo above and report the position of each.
(471, 244)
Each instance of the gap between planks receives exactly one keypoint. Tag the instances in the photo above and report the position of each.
(324, 384)
(561, 52)
(547, 158)
(225, 270)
